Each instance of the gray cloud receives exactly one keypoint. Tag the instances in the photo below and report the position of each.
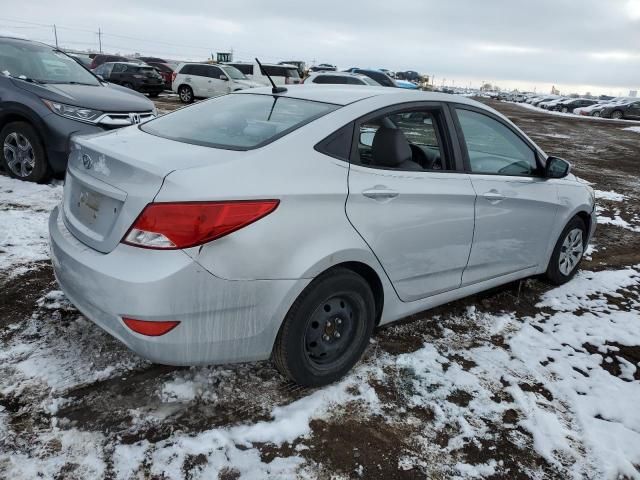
(590, 44)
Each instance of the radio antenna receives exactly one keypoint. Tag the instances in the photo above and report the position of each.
(275, 89)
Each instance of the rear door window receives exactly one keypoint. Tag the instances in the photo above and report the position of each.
(237, 121)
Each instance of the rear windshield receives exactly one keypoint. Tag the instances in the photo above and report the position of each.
(237, 121)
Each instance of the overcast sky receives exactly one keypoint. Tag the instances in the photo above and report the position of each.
(577, 45)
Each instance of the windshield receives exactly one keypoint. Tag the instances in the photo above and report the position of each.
(234, 73)
(237, 121)
(41, 63)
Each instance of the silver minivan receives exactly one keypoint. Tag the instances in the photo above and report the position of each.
(203, 80)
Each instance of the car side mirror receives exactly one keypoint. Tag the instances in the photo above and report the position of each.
(557, 168)
(366, 138)
(224, 78)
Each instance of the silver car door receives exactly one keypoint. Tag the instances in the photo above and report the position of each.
(516, 205)
(407, 201)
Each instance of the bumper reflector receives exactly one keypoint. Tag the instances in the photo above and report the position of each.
(149, 328)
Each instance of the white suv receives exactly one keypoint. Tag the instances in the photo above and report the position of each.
(202, 80)
(281, 74)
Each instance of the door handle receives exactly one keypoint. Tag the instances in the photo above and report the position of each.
(380, 192)
(493, 196)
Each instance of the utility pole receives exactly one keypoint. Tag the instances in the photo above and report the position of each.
(100, 38)
(55, 33)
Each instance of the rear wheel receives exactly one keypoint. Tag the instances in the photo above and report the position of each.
(596, 113)
(617, 114)
(23, 154)
(186, 94)
(565, 110)
(567, 253)
(326, 330)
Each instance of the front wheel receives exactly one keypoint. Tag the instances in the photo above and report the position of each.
(23, 154)
(567, 253)
(616, 114)
(326, 330)
(596, 114)
(186, 94)
(565, 110)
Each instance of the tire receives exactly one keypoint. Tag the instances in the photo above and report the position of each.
(565, 110)
(596, 114)
(185, 93)
(326, 329)
(23, 153)
(154, 94)
(559, 270)
(617, 114)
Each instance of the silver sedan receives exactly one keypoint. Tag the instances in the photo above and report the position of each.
(288, 225)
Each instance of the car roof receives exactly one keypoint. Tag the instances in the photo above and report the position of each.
(346, 94)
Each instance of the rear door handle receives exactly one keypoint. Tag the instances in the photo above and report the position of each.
(493, 196)
(380, 192)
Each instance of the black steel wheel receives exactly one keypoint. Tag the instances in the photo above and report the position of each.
(326, 329)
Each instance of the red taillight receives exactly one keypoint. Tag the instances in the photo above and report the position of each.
(149, 328)
(168, 226)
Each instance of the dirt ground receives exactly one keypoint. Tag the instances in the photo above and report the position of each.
(400, 438)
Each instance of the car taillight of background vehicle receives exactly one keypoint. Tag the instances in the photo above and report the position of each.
(170, 226)
(173, 76)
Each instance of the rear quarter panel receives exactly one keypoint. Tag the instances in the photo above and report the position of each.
(307, 233)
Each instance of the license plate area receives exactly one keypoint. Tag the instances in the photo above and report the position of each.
(88, 206)
(89, 211)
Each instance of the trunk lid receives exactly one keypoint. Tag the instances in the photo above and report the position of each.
(112, 176)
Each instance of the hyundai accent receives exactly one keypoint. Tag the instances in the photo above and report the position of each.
(289, 225)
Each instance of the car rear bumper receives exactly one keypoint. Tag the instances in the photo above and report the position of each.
(221, 321)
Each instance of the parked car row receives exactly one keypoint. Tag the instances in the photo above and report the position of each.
(202, 80)
(616, 108)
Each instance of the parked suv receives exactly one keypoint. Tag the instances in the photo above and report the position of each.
(166, 71)
(100, 59)
(202, 80)
(630, 109)
(281, 74)
(45, 98)
(141, 78)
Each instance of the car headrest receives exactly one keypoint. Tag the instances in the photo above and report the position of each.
(390, 148)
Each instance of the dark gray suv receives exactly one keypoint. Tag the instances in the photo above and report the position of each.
(45, 98)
